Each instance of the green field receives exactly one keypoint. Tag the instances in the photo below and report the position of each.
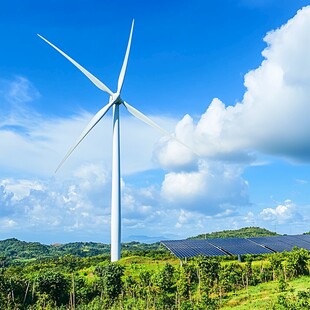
(264, 296)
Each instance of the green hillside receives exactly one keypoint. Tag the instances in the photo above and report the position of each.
(245, 232)
(14, 249)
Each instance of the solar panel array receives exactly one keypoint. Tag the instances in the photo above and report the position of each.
(190, 248)
(239, 246)
(274, 243)
(303, 237)
(283, 243)
(236, 246)
(297, 242)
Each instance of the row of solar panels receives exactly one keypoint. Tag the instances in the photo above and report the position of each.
(236, 246)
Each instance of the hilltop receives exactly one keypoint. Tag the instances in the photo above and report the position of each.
(245, 232)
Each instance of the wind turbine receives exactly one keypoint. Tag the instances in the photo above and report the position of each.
(114, 103)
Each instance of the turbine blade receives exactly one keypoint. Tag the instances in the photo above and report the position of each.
(97, 82)
(148, 121)
(145, 119)
(99, 115)
(124, 66)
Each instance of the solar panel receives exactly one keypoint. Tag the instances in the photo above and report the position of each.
(303, 237)
(239, 246)
(236, 246)
(295, 241)
(205, 248)
(190, 248)
(274, 243)
(179, 248)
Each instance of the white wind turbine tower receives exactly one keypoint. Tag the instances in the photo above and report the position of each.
(114, 102)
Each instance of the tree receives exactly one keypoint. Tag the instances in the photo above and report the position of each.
(54, 285)
(276, 264)
(297, 262)
(230, 277)
(110, 281)
(165, 283)
(185, 283)
(208, 278)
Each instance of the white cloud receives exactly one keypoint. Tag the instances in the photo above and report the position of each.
(61, 210)
(210, 189)
(184, 218)
(273, 115)
(283, 213)
(6, 223)
(20, 188)
(21, 91)
(250, 218)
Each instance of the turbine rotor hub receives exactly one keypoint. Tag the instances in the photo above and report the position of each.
(117, 98)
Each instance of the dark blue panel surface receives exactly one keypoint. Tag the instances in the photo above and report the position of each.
(236, 246)
(303, 237)
(179, 248)
(239, 246)
(189, 248)
(295, 241)
(275, 243)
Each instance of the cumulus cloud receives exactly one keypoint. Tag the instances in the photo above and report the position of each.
(54, 206)
(213, 188)
(20, 188)
(196, 192)
(273, 116)
(283, 213)
(271, 119)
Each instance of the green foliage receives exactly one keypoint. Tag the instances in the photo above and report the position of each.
(13, 248)
(299, 301)
(110, 281)
(208, 271)
(53, 286)
(297, 262)
(276, 264)
(185, 283)
(165, 286)
(231, 277)
(282, 284)
(138, 283)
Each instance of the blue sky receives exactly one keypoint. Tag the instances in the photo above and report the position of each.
(229, 78)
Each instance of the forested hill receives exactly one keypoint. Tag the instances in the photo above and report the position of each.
(245, 232)
(16, 249)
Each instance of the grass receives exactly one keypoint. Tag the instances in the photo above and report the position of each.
(135, 264)
(262, 296)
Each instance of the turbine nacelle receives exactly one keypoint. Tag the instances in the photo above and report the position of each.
(116, 99)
